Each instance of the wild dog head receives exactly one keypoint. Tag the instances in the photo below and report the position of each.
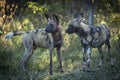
(53, 22)
(75, 23)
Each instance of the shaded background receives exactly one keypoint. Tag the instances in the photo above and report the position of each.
(29, 14)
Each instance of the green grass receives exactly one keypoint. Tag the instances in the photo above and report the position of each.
(38, 66)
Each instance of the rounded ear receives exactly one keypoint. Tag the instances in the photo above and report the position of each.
(48, 17)
(55, 18)
(79, 16)
(82, 14)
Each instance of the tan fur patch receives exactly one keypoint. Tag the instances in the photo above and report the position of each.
(89, 38)
(40, 38)
(96, 35)
(103, 34)
(85, 27)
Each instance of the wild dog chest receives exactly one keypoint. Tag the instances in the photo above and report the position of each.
(58, 39)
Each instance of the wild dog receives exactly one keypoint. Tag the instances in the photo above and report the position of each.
(91, 37)
(42, 38)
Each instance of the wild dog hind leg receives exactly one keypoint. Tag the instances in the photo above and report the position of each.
(27, 54)
(109, 52)
(101, 56)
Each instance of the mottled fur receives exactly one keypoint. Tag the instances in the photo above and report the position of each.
(31, 40)
(41, 38)
(55, 29)
(91, 37)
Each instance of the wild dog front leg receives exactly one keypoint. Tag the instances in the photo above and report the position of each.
(51, 46)
(60, 58)
(88, 57)
(50, 51)
(84, 59)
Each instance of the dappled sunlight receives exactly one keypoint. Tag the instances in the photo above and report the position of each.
(94, 52)
(39, 65)
(72, 58)
(103, 22)
(40, 59)
(6, 43)
(66, 41)
(26, 21)
(70, 40)
(37, 8)
(70, 65)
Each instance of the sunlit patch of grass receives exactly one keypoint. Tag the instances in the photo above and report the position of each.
(26, 21)
(40, 59)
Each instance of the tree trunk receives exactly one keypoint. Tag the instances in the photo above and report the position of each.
(92, 6)
(91, 15)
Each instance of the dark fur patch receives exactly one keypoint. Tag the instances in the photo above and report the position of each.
(78, 15)
(56, 18)
(36, 31)
(50, 28)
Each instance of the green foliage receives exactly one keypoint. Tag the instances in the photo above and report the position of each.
(11, 51)
(56, 7)
(38, 8)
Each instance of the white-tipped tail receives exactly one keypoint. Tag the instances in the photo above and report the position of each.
(9, 35)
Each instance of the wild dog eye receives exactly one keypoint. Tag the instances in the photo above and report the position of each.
(51, 25)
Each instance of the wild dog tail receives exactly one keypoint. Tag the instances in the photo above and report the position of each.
(11, 34)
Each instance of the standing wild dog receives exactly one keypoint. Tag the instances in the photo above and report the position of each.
(91, 37)
(42, 38)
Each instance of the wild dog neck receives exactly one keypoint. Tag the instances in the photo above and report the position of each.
(85, 27)
(83, 30)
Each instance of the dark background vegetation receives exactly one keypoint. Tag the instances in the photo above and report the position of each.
(29, 14)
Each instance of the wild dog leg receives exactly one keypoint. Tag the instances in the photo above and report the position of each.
(50, 70)
(101, 56)
(51, 46)
(88, 58)
(84, 58)
(109, 46)
(28, 53)
(60, 59)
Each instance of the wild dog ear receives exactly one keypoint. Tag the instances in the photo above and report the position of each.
(56, 18)
(79, 15)
(48, 17)
(82, 14)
